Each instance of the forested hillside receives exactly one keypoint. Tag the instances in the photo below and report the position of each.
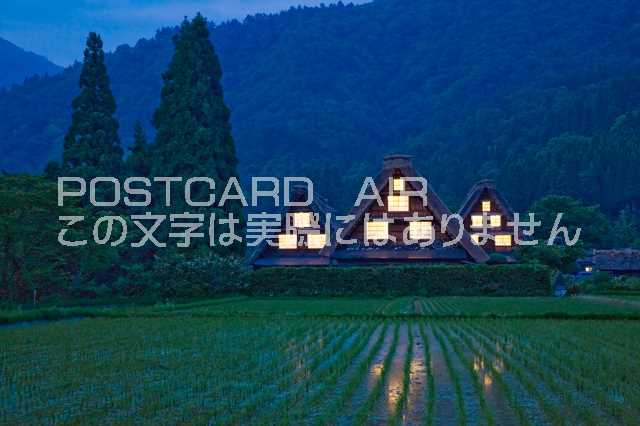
(482, 88)
(17, 64)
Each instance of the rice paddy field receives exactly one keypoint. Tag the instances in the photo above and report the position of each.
(443, 361)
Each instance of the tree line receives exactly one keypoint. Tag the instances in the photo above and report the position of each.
(192, 138)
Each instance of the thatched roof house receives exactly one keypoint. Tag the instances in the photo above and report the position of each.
(617, 262)
(484, 206)
(368, 224)
(300, 242)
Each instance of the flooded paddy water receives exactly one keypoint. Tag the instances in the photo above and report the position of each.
(308, 369)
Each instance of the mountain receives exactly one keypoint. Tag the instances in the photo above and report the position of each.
(17, 64)
(466, 85)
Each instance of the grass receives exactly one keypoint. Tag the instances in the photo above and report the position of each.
(528, 307)
(400, 308)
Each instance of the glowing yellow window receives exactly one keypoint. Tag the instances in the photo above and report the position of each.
(503, 240)
(496, 221)
(486, 206)
(476, 221)
(398, 203)
(588, 269)
(287, 241)
(377, 230)
(398, 184)
(476, 239)
(302, 219)
(420, 230)
(316, 241)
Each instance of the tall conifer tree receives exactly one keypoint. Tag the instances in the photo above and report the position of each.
(91, 145)
(138, 162)
(193, 135)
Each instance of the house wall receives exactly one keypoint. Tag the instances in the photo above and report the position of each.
(397, 228)
(496, 208)
(302, 252)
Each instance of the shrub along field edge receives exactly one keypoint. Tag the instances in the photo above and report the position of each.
(437, 280)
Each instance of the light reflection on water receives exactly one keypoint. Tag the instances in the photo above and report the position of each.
(487, 381)
(376, 369)
(498, 365)
(417, 373)
(416, 368)
(485, 374)
(394, 388)
(374, 376)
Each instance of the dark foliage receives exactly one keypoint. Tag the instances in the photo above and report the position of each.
(173, 277)
(454, 280)
(193, 133)
(139, 159)
(33, 264)
(560, 258)
(92, 145)
(603, 283)
(473, 88)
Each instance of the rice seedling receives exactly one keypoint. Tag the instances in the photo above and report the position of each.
(431, 390)
(365, 409)
(329, 413)
(288, 361)
(473, 372)
(455, 377)
(406, 377)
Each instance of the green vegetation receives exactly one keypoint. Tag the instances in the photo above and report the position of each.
(558, 257)
(35, 267)
(530, 307)
(33, 264)
(233, 369)
(532, 92)
(596, 229)
(193, 133)
(92, 145)
(573, 130)
(403, 307)
(192, 123)
(603, 283)
(437, 280)
(139, 159)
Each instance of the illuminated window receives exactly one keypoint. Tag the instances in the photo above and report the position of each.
(419, 230)
(377, 230)
(476, 221)
(398, 184)
(316, 241)
(398, 203)
(503, 240)
(476, 239)
(486, 206)
(302, 219)
(496, 221)
(588, 269)
(287, 241)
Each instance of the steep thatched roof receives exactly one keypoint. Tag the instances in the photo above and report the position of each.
(403, 164)
(627, 260)
(476, 192)
(319, 205)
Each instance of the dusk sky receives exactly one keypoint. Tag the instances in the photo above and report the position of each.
(57, 28)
